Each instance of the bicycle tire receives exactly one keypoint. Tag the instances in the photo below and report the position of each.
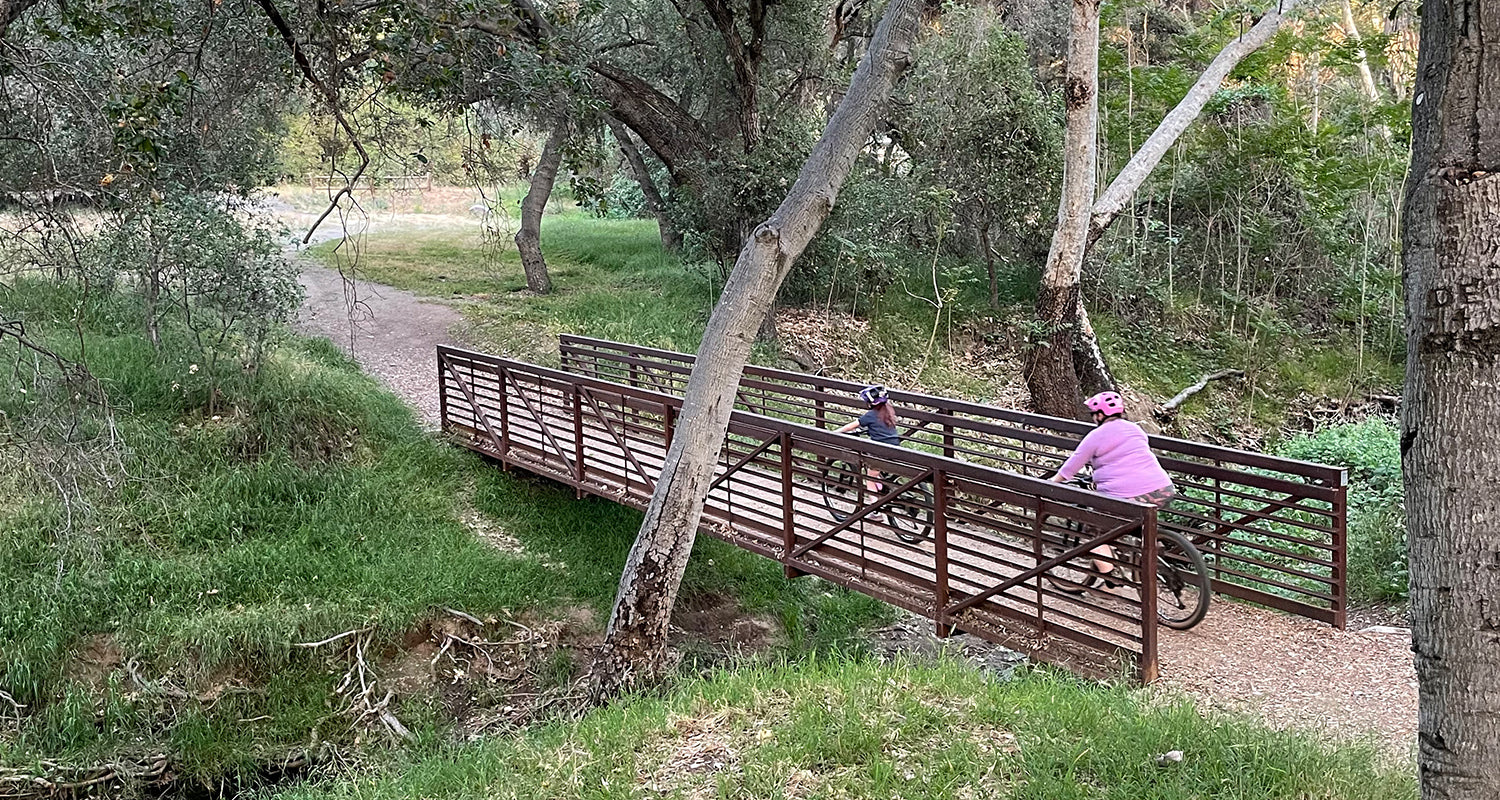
(1182, 582)
(1076, 575)
(840, 490)
(911, 521)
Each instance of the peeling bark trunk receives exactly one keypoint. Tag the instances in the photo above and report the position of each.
(1088, 360)
(671, 240)
(1051, 378)
(1450, 443)
(529, 237)
(634, 648)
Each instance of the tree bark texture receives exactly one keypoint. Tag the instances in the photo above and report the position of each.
(671, 240)
(744, 60)
(1450, 440)
(1051, 377)
(1124, 186)
(634, 647)
(666, 127)
(529, 237)
(11, 10)
(1088, 358)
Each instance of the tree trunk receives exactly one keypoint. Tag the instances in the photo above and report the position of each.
(11, 10)
(1125, 184)
(1351, 30)
(744, 61)
(529, 237)
(1051, 377)
(989, 261)
(1088, 360)
(1071, 343)
(666, 127)
(671, 240)
(634, 648)
(1450, 442)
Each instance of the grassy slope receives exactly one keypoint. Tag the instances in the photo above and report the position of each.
(301, 506)
(864, 729)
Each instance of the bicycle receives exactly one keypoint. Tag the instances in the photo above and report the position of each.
(1182, 579)
(908, 514)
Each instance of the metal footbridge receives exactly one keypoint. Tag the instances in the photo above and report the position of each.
(992, 539)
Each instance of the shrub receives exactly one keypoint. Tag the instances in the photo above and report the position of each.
(1377, 515)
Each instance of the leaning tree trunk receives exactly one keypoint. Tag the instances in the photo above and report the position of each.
(1051, 377)
(634, 648)
(1114, 198)
(529, 237)
(671, 240)
(1450, 441)
(1091, 371)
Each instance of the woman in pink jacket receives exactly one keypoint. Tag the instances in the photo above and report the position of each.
(1123, 463)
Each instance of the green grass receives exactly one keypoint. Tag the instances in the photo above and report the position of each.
(838, 728)
(611, 279)
(304, 503)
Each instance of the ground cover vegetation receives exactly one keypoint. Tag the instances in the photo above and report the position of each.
(148, 615)
(865, 729)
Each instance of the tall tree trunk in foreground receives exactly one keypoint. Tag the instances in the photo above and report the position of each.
(634, 647)
(671, 240)
(1091, 373)
(1450, 440)
(529, 237)
(1051, 378)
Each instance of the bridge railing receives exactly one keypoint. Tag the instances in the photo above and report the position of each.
(990, 552)
(1273, 530)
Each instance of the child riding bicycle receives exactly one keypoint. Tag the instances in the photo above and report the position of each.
(879, 423)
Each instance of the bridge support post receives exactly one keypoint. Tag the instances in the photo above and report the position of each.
(788, 510)
(1146, 669)
(940, 552)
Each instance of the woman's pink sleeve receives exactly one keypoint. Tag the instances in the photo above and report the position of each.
(1080, 457)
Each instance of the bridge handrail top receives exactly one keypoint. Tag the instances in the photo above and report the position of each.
(1333, 476)
(1039, 487)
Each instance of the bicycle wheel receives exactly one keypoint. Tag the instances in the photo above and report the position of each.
(1182, 583)
(841, 489)
(910, 513)
(1077, 574)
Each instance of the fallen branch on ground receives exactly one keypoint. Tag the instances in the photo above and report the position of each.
(1171, 406)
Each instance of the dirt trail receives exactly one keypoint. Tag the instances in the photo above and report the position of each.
(393, 334)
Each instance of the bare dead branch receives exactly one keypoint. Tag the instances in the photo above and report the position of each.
(1172, 405)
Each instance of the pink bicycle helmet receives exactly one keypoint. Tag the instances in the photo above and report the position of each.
(1106, 403)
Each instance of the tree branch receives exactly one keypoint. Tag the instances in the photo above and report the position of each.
(1176, 402)
(1109, 204)
(330, 97)
(11, 10)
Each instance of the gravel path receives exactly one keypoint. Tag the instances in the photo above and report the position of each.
(393, 334)
(1296, 673)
